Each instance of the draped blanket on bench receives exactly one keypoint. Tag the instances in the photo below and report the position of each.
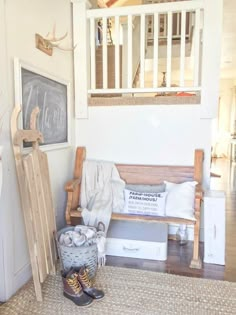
(102, 191)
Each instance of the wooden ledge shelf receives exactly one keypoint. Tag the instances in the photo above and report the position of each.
(144, 100)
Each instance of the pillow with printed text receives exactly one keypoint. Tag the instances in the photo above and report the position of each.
(145, 203)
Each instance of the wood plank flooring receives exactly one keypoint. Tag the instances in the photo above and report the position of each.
(180, 256)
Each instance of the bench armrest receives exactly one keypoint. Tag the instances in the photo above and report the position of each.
(72, 188)
(71, 185)
(199, 192)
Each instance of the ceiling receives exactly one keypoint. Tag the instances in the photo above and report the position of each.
(228, 48)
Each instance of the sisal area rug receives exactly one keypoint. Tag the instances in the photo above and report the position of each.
(131, 291)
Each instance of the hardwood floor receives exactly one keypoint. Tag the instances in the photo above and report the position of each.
(179, 257)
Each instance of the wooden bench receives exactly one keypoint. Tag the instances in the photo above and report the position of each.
(148, 175)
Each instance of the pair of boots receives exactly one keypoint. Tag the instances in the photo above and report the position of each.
(78, 287)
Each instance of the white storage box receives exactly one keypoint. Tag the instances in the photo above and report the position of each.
(137, 240)
(214, 227)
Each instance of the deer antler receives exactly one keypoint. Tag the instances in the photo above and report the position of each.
(52, 36)
(50, 41)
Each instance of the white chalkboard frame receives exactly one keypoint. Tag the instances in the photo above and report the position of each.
(59, 136)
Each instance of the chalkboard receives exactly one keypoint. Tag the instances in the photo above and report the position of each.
(51, 98)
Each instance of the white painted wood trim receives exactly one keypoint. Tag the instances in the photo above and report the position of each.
(81, 59)
(22, 276)
(142, 50)
(104, 52)
(212, 37)
(130, 51)
(146, 9)
(145, 90)
(155, 49)
(169, 50)
(196, 47)
(117, 53)
(182, 47)
(92, 54)
(18, 66)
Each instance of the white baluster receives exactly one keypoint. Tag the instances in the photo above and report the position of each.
(92, 54)
(155, 49)
(142, 50)
(182, 47)
(117, 53)
(130, 51)
(169, 50)
(196, 48)
(104, 52)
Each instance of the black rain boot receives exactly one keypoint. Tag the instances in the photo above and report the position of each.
(73, 290)
(83, 278)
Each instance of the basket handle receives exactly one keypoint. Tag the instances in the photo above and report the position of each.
(101, 227)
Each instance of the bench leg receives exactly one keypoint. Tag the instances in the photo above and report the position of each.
(196, 260)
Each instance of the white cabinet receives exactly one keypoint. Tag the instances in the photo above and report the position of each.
(214, 227)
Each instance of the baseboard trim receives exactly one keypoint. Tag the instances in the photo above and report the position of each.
(22, 276)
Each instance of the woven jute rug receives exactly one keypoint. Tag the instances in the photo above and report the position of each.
(131, 291)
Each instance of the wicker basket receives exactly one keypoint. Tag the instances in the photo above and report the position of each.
(77, 256)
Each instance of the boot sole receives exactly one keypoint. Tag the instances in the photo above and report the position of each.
(94, 299)
(73, 300)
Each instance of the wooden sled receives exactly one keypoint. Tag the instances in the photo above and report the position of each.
(36, 199)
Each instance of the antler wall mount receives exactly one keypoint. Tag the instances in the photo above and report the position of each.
(49, 42)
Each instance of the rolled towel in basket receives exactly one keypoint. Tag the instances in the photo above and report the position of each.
(79, 239)
(87, 231)
(72, 239)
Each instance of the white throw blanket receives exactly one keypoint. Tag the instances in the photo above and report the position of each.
(102, 192)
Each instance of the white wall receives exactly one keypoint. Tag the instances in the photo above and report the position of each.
(21, 20)
(165, 134)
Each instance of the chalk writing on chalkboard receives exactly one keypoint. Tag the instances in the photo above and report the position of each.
(51, 98)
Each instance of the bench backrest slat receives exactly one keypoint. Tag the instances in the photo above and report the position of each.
(154, 174)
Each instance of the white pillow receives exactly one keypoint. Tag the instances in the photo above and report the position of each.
(144, 203)
(180, 200)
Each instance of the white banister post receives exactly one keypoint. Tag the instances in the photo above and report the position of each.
(124, 54)
(81, 56)
(212, 31)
